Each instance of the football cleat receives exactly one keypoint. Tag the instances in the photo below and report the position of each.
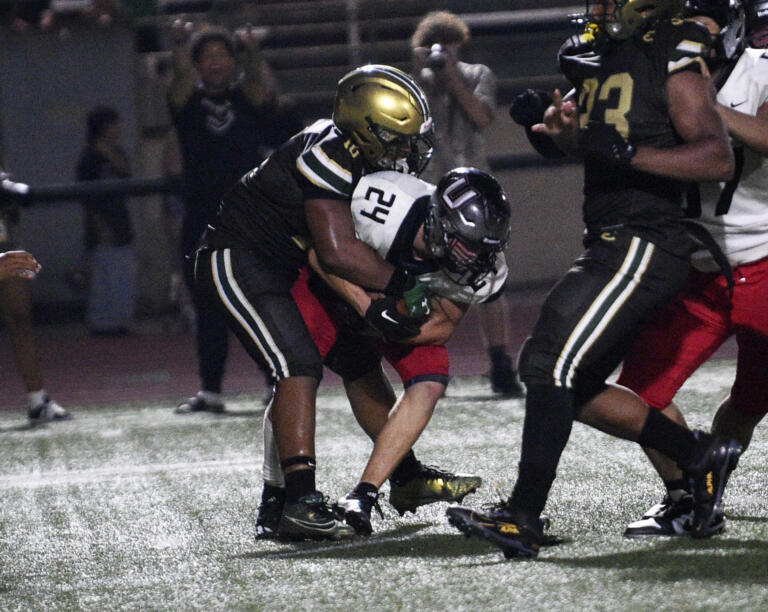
(356, 509)
(517, 535)
(199, 404)
(714, 460)
(48, 411)
(430, 485)
(310, 518)
(268, 517)
(670, 518)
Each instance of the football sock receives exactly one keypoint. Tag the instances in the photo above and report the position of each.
(366, 489)
(676, 488)
(298, 484)
(406, 469)
(269, 491)
(667, 437)
(548, 421)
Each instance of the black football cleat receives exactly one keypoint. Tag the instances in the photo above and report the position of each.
(199, 404)
(310, 518)
(269, 514)
(517, 535)
(714, 460)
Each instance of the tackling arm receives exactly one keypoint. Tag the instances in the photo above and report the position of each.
(443, 320)
(339, 250)
(706, 153)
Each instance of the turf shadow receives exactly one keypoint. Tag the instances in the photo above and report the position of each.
(721, 560)
(403, 542)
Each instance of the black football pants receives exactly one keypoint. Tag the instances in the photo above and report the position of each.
(585, 326)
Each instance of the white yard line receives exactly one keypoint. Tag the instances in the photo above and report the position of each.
(65, 477)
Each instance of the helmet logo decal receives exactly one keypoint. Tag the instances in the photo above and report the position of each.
(454, 195)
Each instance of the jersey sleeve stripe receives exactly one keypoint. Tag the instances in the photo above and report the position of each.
(324, 173)
(690, 47)
(685, 62)
(686, 53)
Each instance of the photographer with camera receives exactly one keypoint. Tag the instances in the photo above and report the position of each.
(462, 98)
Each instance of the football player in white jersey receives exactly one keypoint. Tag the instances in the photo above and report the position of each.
(452, 237)
(691, 328)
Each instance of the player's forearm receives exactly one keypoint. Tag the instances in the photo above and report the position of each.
(351, 293)
(357, 263)
(437, 330)
(751, 130)
(709, 159)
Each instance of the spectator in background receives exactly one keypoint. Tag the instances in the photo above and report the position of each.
(18, 264)
(463, 98)
(16, 306)
(226, 125)
(108, 229)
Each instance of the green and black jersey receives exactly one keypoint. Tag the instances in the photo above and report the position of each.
(623, 83)
(265, 211)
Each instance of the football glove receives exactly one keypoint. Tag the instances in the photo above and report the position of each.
(528, 107)
(602, 142)
(385, 318)
(417, 301)
(402, 280)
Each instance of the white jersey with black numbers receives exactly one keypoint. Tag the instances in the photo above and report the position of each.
(736, 212)
(388, 209)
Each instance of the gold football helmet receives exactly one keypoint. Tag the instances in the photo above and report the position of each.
(386, 115)
(619, 19)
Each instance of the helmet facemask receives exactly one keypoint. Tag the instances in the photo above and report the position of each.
(620, 19)
(400, 152)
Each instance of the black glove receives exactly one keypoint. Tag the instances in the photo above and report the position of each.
(528, 107)
(602, 142)
(402, 280)
(384, 317)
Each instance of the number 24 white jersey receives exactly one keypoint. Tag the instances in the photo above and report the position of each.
(385, 218)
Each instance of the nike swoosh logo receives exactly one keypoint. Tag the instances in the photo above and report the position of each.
(737, 104)
(385, 315)
(313, 526)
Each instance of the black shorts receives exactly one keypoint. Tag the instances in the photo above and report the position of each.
(255, 298)
(591, 316)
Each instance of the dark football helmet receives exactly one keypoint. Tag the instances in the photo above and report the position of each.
(757, 22)
(468, 224)
(627, 16)
(729, 15)
(386, 115)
